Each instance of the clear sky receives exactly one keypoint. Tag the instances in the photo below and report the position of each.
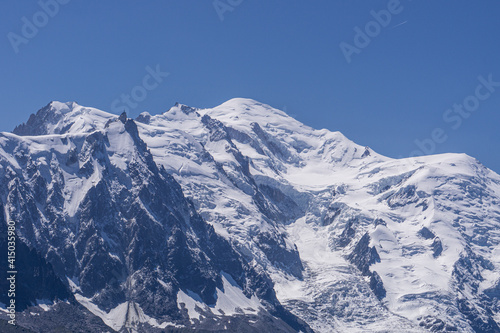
(330, 64)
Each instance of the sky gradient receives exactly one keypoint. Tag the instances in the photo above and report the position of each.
(411, 63)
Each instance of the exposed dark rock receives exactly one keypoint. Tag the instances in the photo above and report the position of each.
(123, 117)
(276, 251)
(377, 285)
(437, 247)
(347, 234)
(363, 255)
(144, 118)
(404, 196)
(35, 278)
(426, 233)
(62, 317)
(37, 123)
(434, 324)
(479, 323)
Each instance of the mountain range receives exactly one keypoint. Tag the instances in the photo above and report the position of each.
(240, 218)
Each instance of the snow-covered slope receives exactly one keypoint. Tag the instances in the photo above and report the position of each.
(353, 241)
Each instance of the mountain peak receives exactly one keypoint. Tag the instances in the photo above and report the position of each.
(244, 111)
(123, 117)
(63, 106)
(185, 108)
(247, 104)
(241, 101)
(63, 117)
(49, 114)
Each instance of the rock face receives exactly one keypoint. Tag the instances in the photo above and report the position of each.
(240, 218)
(35, 278)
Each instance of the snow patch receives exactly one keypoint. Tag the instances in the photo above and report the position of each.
(230, 301)
(126, 315)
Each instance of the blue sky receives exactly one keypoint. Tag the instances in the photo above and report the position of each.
(421, 60)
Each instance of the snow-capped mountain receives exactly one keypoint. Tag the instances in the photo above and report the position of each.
(241, 218)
